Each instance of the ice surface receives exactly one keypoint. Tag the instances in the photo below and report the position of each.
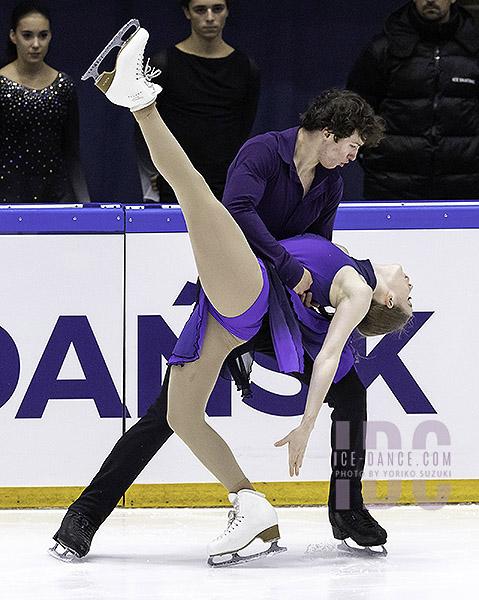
(161, 554)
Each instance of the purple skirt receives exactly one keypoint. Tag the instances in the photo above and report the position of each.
(244, 326)
(294, 328)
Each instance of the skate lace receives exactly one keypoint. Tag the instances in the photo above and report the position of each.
(150, 72)
(363, 518)
(83, 527)
(231, 517)
(147, 72)
(234, 518)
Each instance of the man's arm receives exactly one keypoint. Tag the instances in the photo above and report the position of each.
(245, 185)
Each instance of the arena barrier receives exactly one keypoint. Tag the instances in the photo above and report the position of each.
(92, 301)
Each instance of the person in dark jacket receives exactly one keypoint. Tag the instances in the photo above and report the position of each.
(421, 74)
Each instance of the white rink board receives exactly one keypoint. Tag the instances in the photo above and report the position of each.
(45, 277)
(439, 357)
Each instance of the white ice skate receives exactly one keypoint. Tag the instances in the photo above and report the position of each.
(252, 517)
(129, 84)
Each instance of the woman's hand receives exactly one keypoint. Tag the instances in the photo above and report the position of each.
(297, 440)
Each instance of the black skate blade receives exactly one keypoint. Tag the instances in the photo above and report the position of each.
(364, 551)
(236, 559)
(66, 556)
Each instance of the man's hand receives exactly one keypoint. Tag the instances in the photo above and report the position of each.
(154, 183)
(303, 286)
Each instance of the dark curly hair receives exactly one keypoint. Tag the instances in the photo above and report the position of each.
(343, 112)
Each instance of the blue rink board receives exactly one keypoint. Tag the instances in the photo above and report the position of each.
(65, 218)
(351, 215)
(408, 215)
(154, 218)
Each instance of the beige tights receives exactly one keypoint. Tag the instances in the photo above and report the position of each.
(228, 269)
(189, 390)
(232, 280)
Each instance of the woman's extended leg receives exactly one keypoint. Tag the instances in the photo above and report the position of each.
(223, 258)
(189, 390)
(228, 270)
(231, 278)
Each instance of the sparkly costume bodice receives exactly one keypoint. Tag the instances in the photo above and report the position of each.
(39, 154)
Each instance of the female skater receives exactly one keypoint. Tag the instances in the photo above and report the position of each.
(234, 298)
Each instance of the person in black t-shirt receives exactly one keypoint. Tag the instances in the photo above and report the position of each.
(209, 99)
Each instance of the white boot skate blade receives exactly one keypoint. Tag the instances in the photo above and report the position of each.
(115, 42)
(236, 559)
(65, 556)
(366, 551)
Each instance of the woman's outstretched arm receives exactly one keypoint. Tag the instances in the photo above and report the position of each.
(349, 312)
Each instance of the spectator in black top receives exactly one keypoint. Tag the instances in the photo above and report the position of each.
(209, 99)
(421, 74)
(39, 125)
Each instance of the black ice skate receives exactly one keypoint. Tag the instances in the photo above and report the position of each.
(73, 537)
(359, 526)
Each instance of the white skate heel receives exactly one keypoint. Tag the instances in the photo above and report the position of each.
(129, 84)
(252, 517)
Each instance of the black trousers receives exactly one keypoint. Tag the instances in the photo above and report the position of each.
(140, 443)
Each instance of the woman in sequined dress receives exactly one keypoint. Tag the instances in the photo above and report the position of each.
(39, 129)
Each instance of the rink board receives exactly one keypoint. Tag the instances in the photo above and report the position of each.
(94, 298)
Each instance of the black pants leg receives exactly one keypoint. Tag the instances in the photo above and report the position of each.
(128, 458)
(140, 443)
(347, 398)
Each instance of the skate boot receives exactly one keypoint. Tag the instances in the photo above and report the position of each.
(74, 537)
(360, 526)
(252, 517)
(129, 84)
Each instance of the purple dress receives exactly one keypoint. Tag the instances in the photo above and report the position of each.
(294, 328)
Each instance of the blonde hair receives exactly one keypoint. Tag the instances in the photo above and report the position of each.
(380, 319)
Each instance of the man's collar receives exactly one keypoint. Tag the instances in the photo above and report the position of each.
(287, 144)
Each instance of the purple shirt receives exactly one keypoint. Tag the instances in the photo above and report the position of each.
(265, 196)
